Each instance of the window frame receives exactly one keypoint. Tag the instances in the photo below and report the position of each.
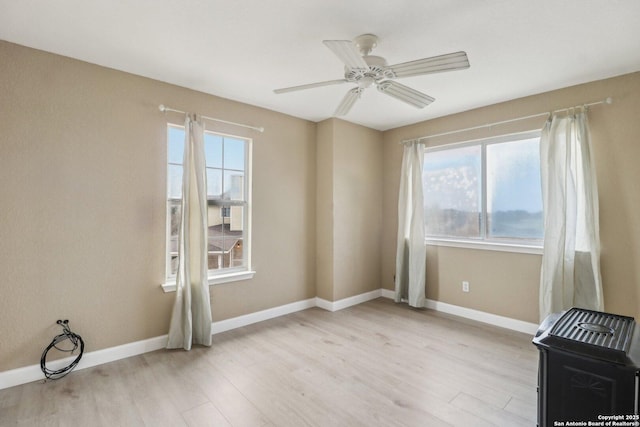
(230, 274)
(527, 246)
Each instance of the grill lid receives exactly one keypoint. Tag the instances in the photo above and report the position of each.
(596, 334)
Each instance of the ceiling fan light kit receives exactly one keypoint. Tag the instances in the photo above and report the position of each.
(367, 70)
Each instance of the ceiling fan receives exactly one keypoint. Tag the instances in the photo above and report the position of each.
(367, 70)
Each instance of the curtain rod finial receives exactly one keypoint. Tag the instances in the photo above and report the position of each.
(161, 107)
(608, 100)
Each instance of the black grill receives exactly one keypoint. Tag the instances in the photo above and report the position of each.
(589, 367)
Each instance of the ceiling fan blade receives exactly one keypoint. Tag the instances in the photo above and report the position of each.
(310, 86)
(405, 93)
(435, 64)
(347, 102)
(348, 53)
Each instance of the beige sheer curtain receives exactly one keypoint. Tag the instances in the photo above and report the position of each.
(570, 275)
(191, 318)
(411, 250)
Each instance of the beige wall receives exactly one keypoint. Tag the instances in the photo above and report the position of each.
(349, 207)
(82, 214)
(324, 210)
(357, 209)
(506, 283)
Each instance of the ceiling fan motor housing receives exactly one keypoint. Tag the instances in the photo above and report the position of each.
(377, 71)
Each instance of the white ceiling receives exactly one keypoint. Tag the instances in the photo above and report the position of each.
(244, 49)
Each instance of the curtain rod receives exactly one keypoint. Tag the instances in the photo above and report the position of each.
(164, 109)
(607, 101)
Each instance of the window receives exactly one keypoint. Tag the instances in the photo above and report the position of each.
(485, 191)
(228, 196)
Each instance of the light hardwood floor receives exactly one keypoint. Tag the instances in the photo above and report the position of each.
(375, 364)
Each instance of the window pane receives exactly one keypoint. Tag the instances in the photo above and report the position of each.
(213, 150)
(514, 200)
(452, 192)
(233, 185)
(174, 183)
(226, 237)
(214, 183)
(175, 146)
(175, 213)
(234, 154)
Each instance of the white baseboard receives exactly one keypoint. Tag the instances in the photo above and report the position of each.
(480, 316)
(31, 373)
(386, 293)
(484, 317)
(348, 302)
(259, 316)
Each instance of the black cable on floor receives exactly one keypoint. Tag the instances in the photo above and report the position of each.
(75, 340)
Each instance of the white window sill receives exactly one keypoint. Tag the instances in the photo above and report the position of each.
(217, 279)
(486, 246)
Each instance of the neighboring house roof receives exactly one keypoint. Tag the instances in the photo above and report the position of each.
(221, 239)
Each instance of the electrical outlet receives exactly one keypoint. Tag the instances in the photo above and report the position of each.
(465, 286)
